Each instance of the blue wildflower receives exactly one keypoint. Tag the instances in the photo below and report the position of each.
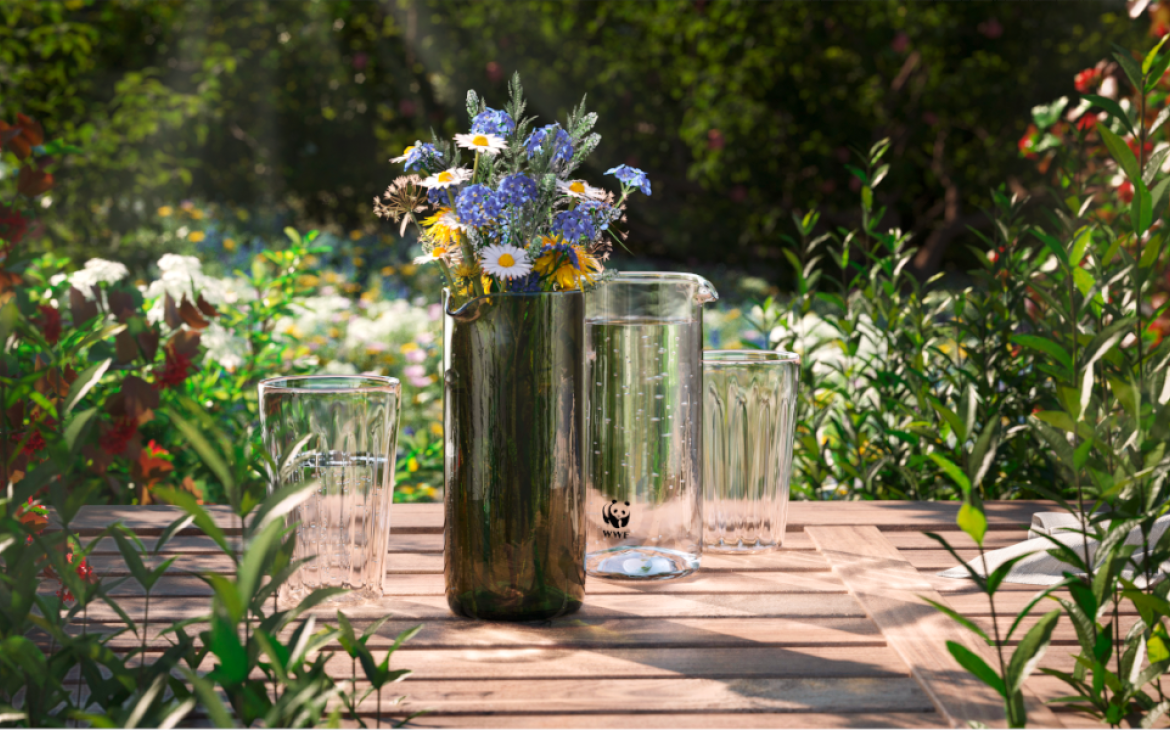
(438, 196)
(631, 176)
(563, 144)
(523, 284)
(601, 213)
(418, 156)
(517, 190)
(574, 225)
(478, 205)
(493, 121)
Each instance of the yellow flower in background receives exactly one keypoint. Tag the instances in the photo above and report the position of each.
(196, 236)
(358, 261)
(355, 235)
(165, 211)
(412, 465)
(229, 244)
(388, 270)
(408, 347)
(437, 428)
(195, 213)
(409, 269)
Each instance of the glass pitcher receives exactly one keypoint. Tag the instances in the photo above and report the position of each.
(644, 376)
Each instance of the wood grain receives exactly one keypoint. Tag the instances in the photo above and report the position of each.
(892, 591)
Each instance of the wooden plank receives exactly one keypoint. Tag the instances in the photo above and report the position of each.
(637, 605)
(779, 560)
(907, 541)
(688, 720)
(151, 520)
(577, 632)
(891, 591)
(576, 695)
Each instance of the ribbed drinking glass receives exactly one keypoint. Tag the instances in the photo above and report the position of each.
(749, 407)
(339, 432)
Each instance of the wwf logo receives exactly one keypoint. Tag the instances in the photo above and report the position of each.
(616, 515)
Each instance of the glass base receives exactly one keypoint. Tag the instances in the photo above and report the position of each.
(640, 563)
(356, 596)
(487, 606)
(740, 547)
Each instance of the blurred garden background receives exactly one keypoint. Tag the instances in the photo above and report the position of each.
(219, 161)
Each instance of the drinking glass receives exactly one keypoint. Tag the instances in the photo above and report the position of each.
(644, 340)
(339, 432)
(749, 408)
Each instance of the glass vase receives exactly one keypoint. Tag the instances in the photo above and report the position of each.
(644, 425)
(749, 424)
(514, 541)
(339, 432)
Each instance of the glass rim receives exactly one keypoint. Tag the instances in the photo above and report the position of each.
(360, 384)
(749, 357)
(654, 276)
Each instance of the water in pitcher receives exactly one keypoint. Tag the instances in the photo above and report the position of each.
(644, 511)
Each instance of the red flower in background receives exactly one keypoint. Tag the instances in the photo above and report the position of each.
(50, 323)
(13, 225)
(117, 437)
(1133, 147)
(175, 370)
(1028, 141)
(1085, 80)
(32, 182)
(1087, 122)
(34, 443)
(1125, 192)
(21, 137)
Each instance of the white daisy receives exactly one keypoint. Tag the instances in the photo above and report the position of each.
(406, 152)
(488, 144)
(447, 178)
(436, 253)
(452, 221)
(505, 262)
(580, 189)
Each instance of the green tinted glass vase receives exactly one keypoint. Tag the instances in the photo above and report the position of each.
(514, 400)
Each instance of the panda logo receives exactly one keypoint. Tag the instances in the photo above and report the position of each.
(616, 515)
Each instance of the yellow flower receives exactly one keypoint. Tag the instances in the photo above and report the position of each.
(465, 270)
(566, 276)
(409, 269)
(437, 428)
(165, 211)
(355, 235)
(439, 227)
(408, 347)
(412, 465)
(307, 280)
(229, 244)
(388, 270)
(196, 236)
(358, 261)
(196, 213)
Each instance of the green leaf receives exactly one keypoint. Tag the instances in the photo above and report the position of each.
(955, 473)
(1152, 56)
(1113, 108)
(186, 501)
(975, 664)
(225, 644)
(1030, 650)
(228, 594)
(1121, 153)
(209, 698)
(972, 521)
(1080, 245)
(1130, 66)
(84, 383)
(960, 619)
(77, 425)
(207, 453)
(1141, 208)
(957, 425)
(257, 555)
(1045, 345)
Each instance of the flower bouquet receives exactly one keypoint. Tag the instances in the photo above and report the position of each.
(518, 240)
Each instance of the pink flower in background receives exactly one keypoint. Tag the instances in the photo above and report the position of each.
(360, 60)
(418, 355)
(435, 311)
(416, 374)
(424, 338)
(900, 43)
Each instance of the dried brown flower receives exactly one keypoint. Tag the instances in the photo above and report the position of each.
(402, 199)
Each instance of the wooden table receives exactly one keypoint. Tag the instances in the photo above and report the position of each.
(829, 631)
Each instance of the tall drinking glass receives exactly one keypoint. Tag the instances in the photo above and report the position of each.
(339, 432)
(749, 408)
(644, 339)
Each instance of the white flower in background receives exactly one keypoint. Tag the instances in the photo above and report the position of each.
(97, 271)
(580, 189)
(437, 253)
(488, 144)
(225, 347)
(183, 276)
(336, 367)
(505, 262)
(447, 178)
